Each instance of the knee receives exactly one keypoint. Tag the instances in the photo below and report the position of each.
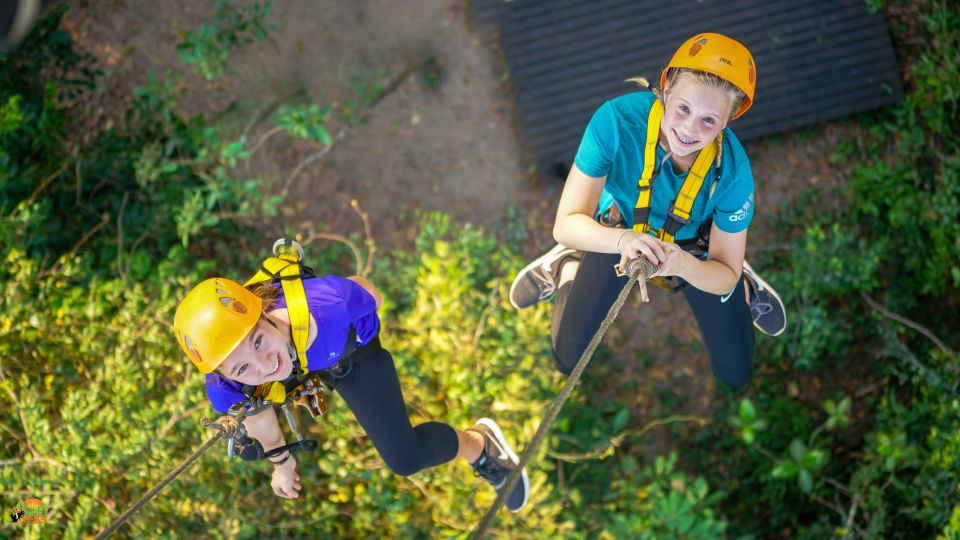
(403, 465)
(562, 361)
(734, 375)
(735, 381)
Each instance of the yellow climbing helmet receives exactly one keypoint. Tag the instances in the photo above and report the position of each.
(722, 56)
(213, 319)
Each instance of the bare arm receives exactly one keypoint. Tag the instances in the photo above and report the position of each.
(265, 428)
(576, 228)
(369, 287)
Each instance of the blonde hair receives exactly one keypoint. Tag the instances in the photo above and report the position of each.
(702, 78)
(265, 293)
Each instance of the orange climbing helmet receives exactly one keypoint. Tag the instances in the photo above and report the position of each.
(213, 319)
(722, 56)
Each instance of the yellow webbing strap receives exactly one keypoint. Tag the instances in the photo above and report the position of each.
(649, 163)
(683, 205)
(287, 268)
(273, 391)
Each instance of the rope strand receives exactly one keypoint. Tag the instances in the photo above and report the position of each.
(225, 426)
(636, 268)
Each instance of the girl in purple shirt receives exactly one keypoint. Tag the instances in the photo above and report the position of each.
(239, 336)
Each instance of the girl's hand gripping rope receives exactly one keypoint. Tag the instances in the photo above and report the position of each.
(633, 244)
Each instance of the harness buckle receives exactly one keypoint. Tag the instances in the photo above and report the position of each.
(673, 223)
(641, 215)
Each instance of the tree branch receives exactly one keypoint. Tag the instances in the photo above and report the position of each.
(56, 265)
(43, 185)
(368, 235)
(908, 323)
(123, 204)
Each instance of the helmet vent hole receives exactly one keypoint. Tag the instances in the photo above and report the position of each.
(226, 300)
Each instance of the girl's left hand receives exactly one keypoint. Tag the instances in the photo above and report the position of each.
(676, 262)
(285, 481)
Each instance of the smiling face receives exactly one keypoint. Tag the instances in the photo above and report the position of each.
(693, 115)
(263, 356)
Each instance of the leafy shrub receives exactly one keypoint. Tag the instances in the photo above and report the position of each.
(209, 46)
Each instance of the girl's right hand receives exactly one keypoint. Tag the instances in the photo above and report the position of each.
(285, 481)
(633, 244)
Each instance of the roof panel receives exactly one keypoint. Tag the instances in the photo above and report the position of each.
(816, 60)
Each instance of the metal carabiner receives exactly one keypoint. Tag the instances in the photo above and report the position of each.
(280, 245)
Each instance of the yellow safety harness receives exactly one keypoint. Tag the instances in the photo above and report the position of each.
(286, 266)
(678, 214)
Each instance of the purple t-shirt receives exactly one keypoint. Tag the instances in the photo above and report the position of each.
(335, 303)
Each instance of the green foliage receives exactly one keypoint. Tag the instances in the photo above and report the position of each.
(305, 122)
(801, 463)
(659, 503)
(367, 88)
(208, 47)
(430, 73)
(747, 422)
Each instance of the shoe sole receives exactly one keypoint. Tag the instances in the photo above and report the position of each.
(536, 262)
(766, 286)
(492, 426)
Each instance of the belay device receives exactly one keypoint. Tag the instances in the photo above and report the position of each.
(301, 388)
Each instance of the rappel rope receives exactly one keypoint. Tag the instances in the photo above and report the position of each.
(226, 427)
(635, 269)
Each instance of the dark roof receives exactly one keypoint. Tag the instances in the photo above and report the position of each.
(816, 60)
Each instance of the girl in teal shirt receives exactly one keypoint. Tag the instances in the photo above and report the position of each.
(602, 220)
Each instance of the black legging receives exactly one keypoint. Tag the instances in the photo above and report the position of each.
(580, 306)
(372, 391)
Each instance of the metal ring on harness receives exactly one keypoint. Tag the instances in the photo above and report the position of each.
(283, 242)
(241, 445)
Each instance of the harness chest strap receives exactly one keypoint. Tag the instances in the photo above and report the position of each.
(287, 268)
(678, 214)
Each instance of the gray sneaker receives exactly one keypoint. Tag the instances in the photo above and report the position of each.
(538, 280)
(766, 308)
(497, 460)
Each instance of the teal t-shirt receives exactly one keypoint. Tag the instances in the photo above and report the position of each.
(612, 146)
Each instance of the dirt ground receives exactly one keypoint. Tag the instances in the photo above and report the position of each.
(451, 146)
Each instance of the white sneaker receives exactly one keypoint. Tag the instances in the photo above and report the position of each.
(538, 280)
(766, 308)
